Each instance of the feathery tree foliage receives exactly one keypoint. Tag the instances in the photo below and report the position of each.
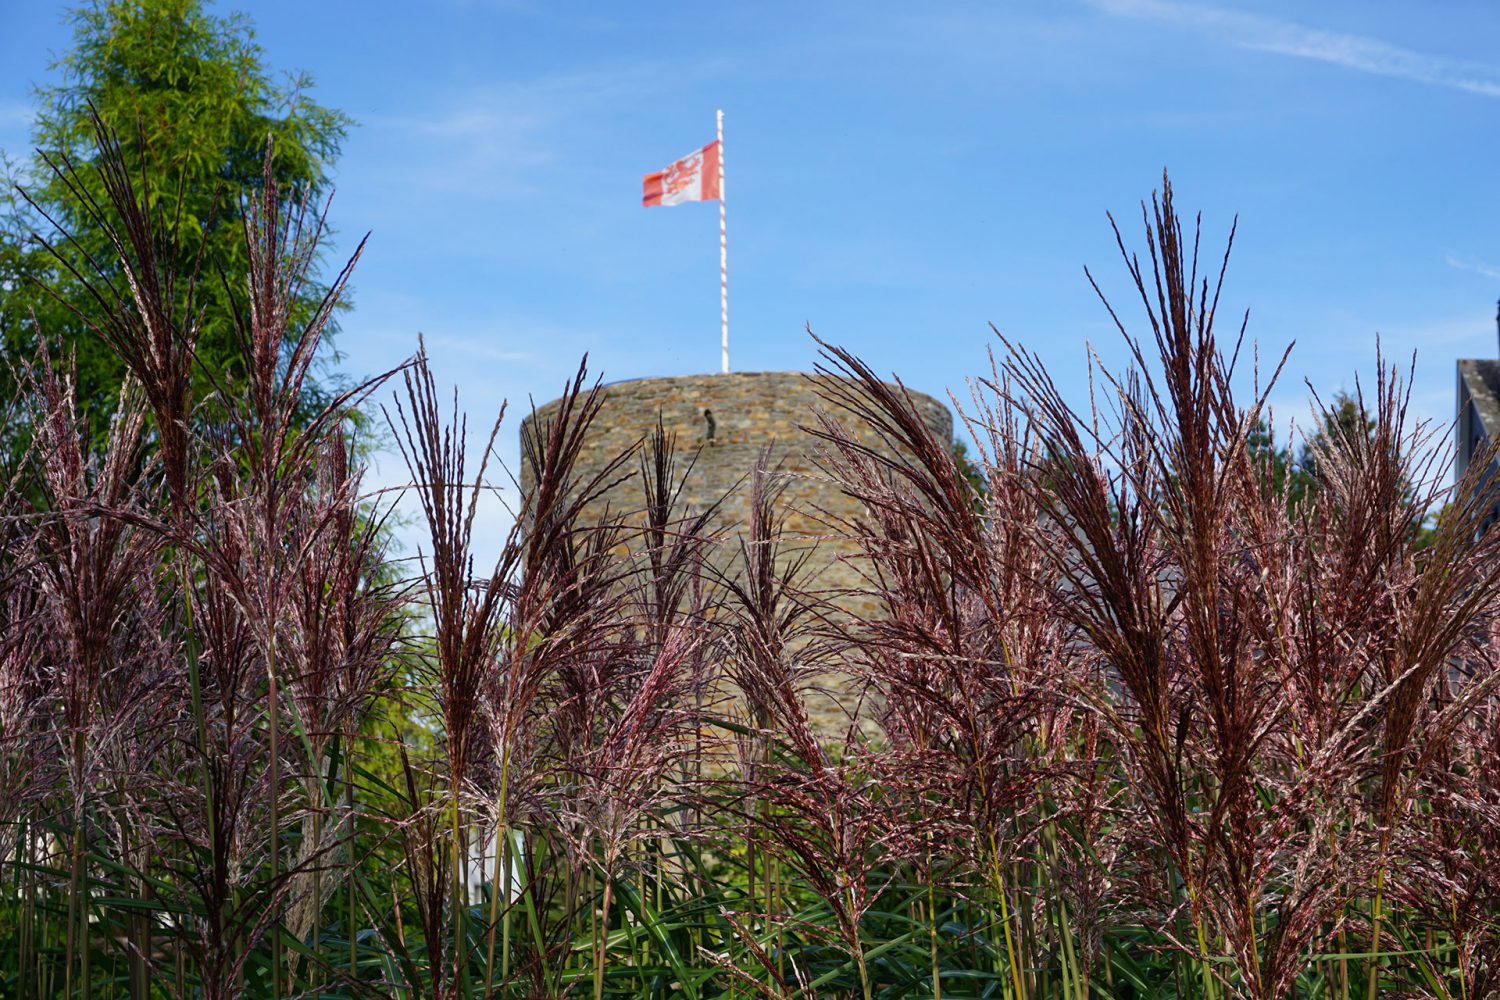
(194, 104)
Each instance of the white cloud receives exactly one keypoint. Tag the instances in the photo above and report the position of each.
(15, 128)
(1474, 264)
(477, 349)
(1288, 38)
(15, 115)
(503, 138)
(483, 145)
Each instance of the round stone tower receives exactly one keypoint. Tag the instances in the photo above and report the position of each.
(727, 419)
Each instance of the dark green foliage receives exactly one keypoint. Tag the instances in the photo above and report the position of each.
(194, 104)
(971, 472)
(1342, 426)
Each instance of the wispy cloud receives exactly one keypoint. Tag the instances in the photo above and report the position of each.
(1289, 38)
(504, 138)
(479, 350)
(492, 142)
(15, 123)
(1474, 264)
(14, 114)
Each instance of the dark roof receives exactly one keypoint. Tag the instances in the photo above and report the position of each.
(1481, 379)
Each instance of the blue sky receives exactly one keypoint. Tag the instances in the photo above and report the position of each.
(899, 176)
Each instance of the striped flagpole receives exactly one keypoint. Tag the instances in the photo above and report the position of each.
(723, 255)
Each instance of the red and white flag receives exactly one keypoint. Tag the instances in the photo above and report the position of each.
(695, 177)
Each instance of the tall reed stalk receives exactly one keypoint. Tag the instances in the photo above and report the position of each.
(1131, 715)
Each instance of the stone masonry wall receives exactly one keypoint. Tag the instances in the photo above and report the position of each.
(750, 410)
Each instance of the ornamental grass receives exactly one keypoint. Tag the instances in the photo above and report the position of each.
(1132, 718)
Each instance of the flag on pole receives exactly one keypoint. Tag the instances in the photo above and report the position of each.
(699, 176)
(695, 177)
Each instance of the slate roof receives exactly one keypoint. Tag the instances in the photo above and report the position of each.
(1482, 380)
(1478, 406)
